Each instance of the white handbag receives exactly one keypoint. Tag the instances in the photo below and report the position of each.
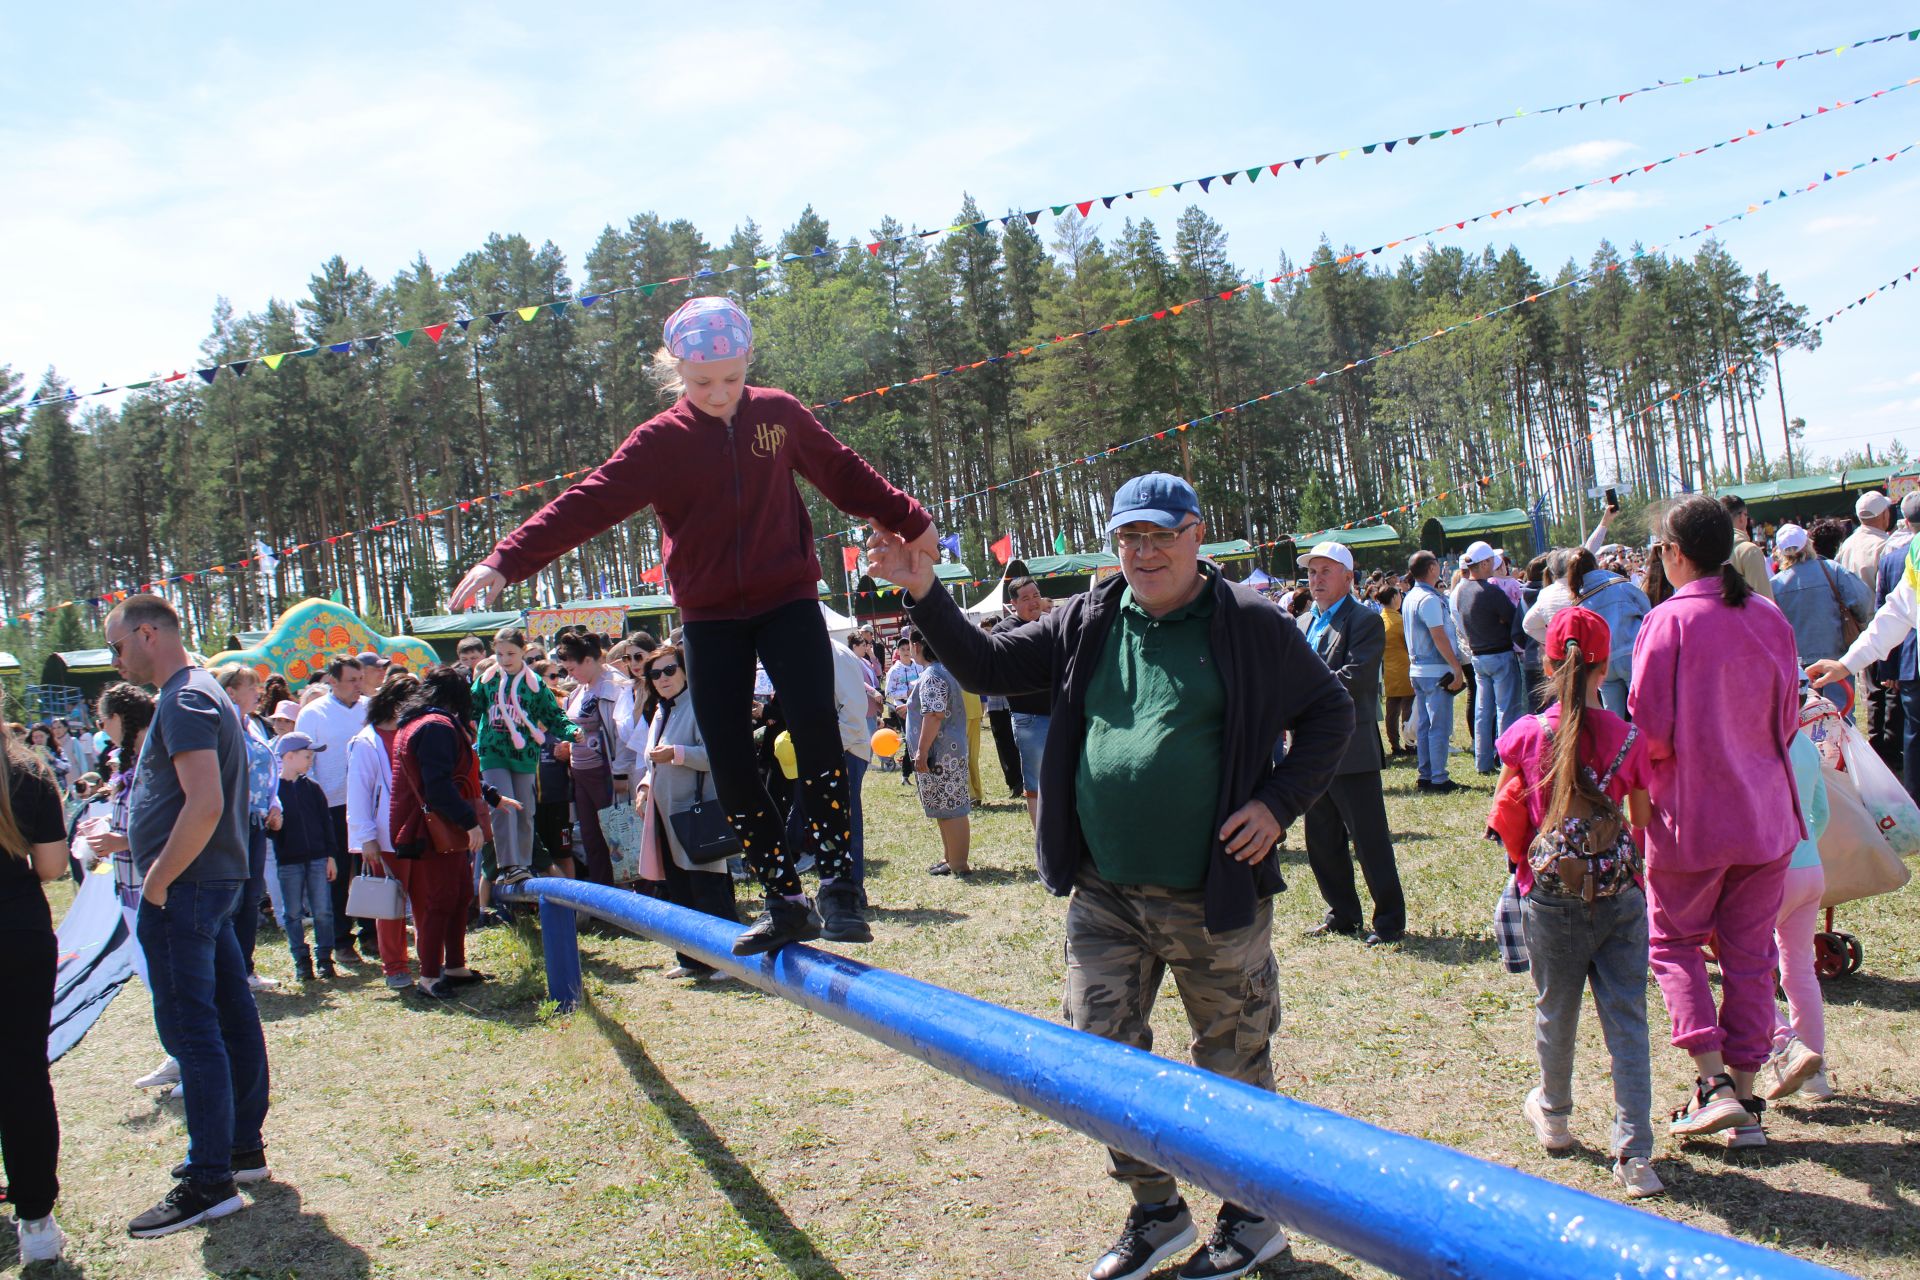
(372, 897)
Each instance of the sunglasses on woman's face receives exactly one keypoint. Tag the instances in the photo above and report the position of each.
(663, 673)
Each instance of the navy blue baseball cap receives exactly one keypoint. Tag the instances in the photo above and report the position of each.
(1163, 499)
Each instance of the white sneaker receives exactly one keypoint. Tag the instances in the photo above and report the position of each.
(166, 1073)
(260, 982)
(1817, 1086)
(176, 1093)
(1636, 1175)
(41, 1239)
(1788, 1068)
(1552, 1130)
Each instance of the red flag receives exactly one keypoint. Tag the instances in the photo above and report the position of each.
(654, 576)
(1003, 549)
(850, 558)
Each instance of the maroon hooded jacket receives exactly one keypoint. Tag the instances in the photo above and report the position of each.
(742, 543)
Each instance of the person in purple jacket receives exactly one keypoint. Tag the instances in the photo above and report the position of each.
(718, 469)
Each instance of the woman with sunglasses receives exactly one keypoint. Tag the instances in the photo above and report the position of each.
(674, 768)
(719, 469)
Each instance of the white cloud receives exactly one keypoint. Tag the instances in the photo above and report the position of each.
(1832, 223)
(1589, 206)
(1581, 155)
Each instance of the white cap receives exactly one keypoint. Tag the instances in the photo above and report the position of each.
(1334, 551)
(1791, 537)
(1612, 549)
(1871, 503)
(1475, 553)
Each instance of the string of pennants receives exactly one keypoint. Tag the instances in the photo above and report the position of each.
(555, 307)
(1246, 289)
(1481, 482)
(1833, 175)
(464, 504)
(266, 556)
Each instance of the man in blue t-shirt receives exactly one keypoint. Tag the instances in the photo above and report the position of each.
(1434, 668)
(188, 836)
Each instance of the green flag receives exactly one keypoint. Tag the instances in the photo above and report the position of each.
(1059, 544)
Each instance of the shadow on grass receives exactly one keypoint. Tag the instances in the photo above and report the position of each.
(274, 1236)
(1884, 1222)
(757, 1208)
(1449, 948)
(1844, 1112)
(915, 915)
(65, 1269)
(1896, 995)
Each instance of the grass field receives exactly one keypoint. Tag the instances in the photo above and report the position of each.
(665, 1130)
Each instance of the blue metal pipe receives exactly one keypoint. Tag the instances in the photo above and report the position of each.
(1410, 1206)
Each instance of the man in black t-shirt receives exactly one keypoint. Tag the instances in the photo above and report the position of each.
(188, 834)
(1489, 627)
(1030, 711)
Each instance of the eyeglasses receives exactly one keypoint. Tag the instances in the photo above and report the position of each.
(663, 673)
(113, 646)
(1158, 539)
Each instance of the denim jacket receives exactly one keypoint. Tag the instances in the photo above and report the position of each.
(1802, 593)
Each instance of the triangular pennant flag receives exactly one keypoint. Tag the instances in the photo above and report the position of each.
(207, 375)
(1228, 178)
(404, 337)
(273, 361)
(527, 313)
(1107, 201)
(1204, 184)
(435, 332)
(341, 348)
(558, 308)
(499, 317)
(1253, 174)
(1059, 209)
(1033, 217)
(1085, 206)
(370, 344)
(463, 322)
(240, 367)
(588, 299)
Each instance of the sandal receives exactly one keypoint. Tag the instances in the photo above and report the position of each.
(940, 869)
(1712, 1107)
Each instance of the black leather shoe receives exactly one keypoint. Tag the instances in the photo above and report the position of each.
(782, 922)
(1376, 939)
(841, 920)
(1333, 928)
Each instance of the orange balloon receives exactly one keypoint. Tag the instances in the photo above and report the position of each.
(886, 743)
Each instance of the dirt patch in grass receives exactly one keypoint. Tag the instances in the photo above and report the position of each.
(673, 1130)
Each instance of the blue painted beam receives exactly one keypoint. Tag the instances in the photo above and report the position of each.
(1412, 1207)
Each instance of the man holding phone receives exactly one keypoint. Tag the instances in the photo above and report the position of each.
(1435, 669)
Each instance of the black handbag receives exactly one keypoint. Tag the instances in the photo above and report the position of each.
(703, 831)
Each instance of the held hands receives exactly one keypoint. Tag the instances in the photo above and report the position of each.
(1251, 832)
(1826, 672)
(478, 589)
(273, 820)
(910, 564)
(661, 754)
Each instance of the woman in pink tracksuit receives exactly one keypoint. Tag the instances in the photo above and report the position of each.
(1719, 714)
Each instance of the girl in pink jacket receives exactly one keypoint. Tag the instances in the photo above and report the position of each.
(1719, 713)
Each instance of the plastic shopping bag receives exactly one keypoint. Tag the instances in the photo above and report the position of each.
(1844, 747)
(1855, 858)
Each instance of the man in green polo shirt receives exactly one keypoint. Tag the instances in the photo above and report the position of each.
(1159, 806)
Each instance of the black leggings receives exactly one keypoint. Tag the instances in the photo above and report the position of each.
(792, 643)
(29, 1128)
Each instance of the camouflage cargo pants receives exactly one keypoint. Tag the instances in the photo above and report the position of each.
(1122, 940)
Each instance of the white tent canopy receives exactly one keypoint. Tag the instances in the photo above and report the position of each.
(992, 604)
(839, 625)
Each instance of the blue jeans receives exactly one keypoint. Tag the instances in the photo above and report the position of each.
(1432, 727)
(1569, 947)
(246, 921)
(1497, 706)
(1030, 732)
(1613, 693)
(1909, 695)
(304, 891)
(206, 1019)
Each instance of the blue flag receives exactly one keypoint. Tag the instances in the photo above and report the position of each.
(952, 545)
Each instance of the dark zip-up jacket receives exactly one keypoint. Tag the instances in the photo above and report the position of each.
(741, 539)
(1275, 684)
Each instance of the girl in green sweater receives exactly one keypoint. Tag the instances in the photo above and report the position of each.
(517, 713)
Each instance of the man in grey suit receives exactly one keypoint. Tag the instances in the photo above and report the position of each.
(1351, 817)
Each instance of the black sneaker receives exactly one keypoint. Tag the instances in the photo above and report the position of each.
(840, 913)
(248, 1166)
(1153, 1234)
(303, 968)
(513, 875)
(324, 967)
(782, 922)
(344, 952)
(188, 1205)
(1239, 1243)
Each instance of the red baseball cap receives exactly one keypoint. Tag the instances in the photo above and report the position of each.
(1583, 628)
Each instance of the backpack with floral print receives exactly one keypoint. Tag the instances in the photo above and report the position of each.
(1591, 856)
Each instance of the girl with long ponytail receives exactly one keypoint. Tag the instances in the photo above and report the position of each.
(1719, 713)
(1584, 771)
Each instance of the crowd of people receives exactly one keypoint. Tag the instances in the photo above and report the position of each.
(1165, 729)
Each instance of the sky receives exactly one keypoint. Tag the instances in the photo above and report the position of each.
(162, 156)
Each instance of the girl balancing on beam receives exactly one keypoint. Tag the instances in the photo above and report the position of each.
(717, 468)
